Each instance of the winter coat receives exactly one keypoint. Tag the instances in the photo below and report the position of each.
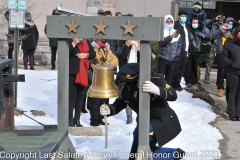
(30, 36)
(231, 56)
(196, 42)
(53, 42)
(115, 46)
(169, 48)
(213, 26)
(111, 58)
(169, 51)
(217, 37)
(74, 60)
(201, 17)
(164, 120)
(179, 27)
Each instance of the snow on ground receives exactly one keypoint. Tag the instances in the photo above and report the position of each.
(198, 138)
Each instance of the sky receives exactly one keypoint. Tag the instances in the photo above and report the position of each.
(198, 138)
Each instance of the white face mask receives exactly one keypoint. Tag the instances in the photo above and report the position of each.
(169, 26)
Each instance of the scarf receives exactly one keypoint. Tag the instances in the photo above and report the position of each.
(169, 29)
(82, 75)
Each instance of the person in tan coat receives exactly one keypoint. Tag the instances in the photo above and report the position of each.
(93, 104)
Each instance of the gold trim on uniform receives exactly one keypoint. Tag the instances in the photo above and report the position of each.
(129, 76)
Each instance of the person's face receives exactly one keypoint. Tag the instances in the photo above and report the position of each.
(194, 21)
(77, 40)
(169, 21)
(230, 22)
(238, 34)
(182, 15)
(119, 15)
(108, 16)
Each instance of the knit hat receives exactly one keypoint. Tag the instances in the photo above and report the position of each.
(197, 5)
(28, 15)
(229, 19)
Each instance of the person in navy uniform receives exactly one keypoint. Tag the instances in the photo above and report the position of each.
(164, 123)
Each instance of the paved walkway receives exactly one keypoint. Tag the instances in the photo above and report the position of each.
(230, 145)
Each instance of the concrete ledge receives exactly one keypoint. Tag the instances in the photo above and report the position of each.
(85, 131)
(28, 127)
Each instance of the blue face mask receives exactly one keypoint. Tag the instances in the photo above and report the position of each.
(230, 26)
(183, 19)
(194, 26)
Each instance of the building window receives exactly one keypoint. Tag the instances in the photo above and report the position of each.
(205, 5)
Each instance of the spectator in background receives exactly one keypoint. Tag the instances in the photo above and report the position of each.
(196, 38)
(10, 37)
(239, 20)
(100, 12)
(115, 45)
(180, 63)
(232, 60)
(213, 25)
(198, 12)
(29, 40)
(219, 38)
(53, 44)
(80, 52)
(169, 49)
(93, 104)
(118, 14)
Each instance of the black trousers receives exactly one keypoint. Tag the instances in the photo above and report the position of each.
(179, 69)
(93, 105)
(29, 53)
(53, 56)
(76, 95)
(221, 73)
(234, 95)
(190, 74)
(167, 69)
(10, 50)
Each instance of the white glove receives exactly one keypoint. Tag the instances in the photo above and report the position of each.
(104, 109)
(150, 87)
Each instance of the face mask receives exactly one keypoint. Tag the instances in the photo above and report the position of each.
(169, 26)
(230, 26)
(194, 26)
(196, 9)
(183, 19)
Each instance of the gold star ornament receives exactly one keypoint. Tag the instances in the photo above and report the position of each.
(100, 27)
(128, 28)
(72, 27)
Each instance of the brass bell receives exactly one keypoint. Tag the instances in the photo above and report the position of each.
(103, 85)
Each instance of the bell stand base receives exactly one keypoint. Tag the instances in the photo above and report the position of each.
(39, 144)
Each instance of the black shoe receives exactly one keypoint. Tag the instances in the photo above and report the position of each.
(84, 111)
(94, 123)
(238, 118)
(101, 122)
(25, 67)
(52, 68)
(179, 89)
(179, 154)
(32, 69)
(77, 123)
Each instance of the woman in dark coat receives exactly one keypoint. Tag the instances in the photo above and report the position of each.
(29, 40)
(231, 53)
(79, 54)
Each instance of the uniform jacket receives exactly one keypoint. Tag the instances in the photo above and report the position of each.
(231, 56)
(30, 36)
(74, 60)
(163, 119)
